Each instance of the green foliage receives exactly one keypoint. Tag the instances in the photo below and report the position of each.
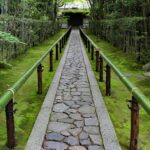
(29, 21)
(126, 33)
(8, 37)
(124, 23)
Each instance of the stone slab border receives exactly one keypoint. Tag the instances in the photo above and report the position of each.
(107, 131)
(36, 137)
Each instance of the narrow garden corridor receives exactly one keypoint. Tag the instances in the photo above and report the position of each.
(75, 75)
(75, 123)
(73, 113)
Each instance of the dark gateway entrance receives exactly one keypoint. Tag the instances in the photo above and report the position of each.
(75, 19)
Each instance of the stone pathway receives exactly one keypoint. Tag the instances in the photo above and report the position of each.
(73, 122)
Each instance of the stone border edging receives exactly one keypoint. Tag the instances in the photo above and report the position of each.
(107, 131)
(36, 137)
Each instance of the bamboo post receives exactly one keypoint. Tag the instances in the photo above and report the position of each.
(101, 69)
(39, 73)
(65, 39)
(97, 60)
(62, 40)
(60, 46)
(108, 80)
(89, 46)
(9, 110)
(84, 40)
(57, 54)
(139, 50)
(92, 52)
(134, 124)
(86, 43)
(51, 60)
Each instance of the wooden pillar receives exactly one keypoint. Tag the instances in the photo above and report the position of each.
(65, 39)
(108, 80)
(86, 42)
(57, 53)
(51, 60)
(9, 110)
(134, 124)
(60, 46)
(62, 40)
(89, 46)
(92, 52)
(139, 50)
(101, 69)
(97, 60)
(39, 72)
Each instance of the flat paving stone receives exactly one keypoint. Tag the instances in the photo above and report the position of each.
(79, 123)
(83, 136)
(67, 97)
(95, 147)
(91, 129)
(86, 93)
(58, 97)
(85, 142)
(60, 107)
(86, 109)
(81, 103)
(51, 145)
(59, 126)
(69, 111)
(76, 98)
(96, 139)
(86, 98)
(56, 116)
(77, 148)
(84, 90)
(69, 103)
(76, 116)
(91, 121)
(89, 115)
(66, 120)
(65, 133)
(71, 140)
(75, 131)
(54, 136)
(75, 106)
(75, 93)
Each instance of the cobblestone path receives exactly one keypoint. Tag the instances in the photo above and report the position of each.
(73, 122)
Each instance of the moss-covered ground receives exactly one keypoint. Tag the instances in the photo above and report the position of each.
(28, 101)
(116, 103)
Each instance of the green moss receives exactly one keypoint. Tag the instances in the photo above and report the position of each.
(83, 11)
(29, 102)
(116, 103)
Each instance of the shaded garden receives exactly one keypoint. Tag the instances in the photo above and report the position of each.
(121, 29)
